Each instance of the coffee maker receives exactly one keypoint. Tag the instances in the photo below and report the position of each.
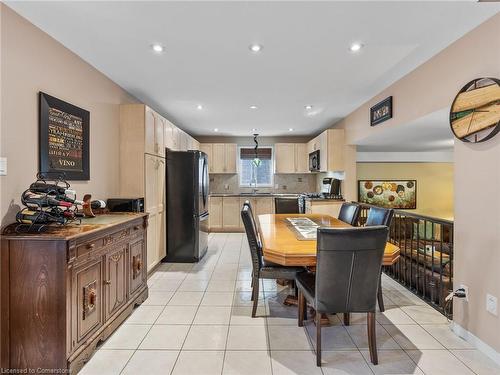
(331, 188)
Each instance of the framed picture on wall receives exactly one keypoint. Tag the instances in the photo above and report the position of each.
(399, 194)
(64, 139)
(381, 111)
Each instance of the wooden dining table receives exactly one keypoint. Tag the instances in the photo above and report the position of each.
(282, 244)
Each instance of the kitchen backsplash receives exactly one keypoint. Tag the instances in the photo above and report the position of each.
(287, 183)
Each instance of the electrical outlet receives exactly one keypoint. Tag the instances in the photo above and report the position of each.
(492, 304)
(466, 289)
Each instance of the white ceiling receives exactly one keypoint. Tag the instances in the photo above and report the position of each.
(427, 134)
(305, 59)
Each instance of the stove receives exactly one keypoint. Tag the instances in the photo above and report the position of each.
(304, 196)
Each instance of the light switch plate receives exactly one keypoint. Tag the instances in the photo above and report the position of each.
(492, 304)
(3, 166)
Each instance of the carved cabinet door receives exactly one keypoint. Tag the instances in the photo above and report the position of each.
(137, 264)
(87, 299)
(115, 279)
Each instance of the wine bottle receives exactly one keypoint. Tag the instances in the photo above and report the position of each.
(28, 216)
(41, 187)
(31, 199)
(97, 204)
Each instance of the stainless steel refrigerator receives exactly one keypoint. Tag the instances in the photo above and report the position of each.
(187, 206)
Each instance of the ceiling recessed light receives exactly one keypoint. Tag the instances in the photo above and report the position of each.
(308, 107)
(253, 107)
(158, 48)
(216, 130)
(355, 47)
(199, 106)
(290, 129)
(255, 48)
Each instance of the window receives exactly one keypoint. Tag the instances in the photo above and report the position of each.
(256, 170)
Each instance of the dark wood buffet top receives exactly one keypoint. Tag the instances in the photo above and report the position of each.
(74, 230)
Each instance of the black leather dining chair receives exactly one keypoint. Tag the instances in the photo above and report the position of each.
(346, 280)
(380, 216)
(286, 205)
(260, 268)
(349, 213)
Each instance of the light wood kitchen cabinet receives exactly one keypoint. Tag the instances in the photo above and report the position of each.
(207, 149)
(223, 157)
(160, 124)
(184, 141)
(218, 157)
(215, 213)
(194, 144)
(284, 156)
(149, 131)
(264, 205)
(231, 213)
(144, 136)
(291, 158)
(301, 158)
(154, 203)
(331, 145)
(225, 212)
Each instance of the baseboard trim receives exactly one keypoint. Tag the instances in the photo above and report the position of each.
(476, 341)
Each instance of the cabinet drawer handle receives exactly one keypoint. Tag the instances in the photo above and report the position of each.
(90, 246)
(92, 299)
(137, 227)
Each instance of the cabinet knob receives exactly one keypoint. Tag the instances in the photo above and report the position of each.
(107, 282)
(139, 264)
(137, 227)
(90, 246)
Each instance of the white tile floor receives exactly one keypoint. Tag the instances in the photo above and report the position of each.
(197, 321)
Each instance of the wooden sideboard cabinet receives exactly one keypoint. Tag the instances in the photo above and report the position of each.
(66, 289)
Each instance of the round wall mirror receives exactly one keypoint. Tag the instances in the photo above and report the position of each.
(475, 112)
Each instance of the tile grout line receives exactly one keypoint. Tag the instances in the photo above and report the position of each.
(191, 325)
(231, 310)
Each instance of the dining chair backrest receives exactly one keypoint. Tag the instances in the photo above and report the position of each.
(286, 205)
(252, 237)
(348, 266)
(379, 216)
(349, 213)
(247, 203)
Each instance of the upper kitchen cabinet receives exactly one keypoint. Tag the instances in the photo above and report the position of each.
(291, 158)
(154, 130)
(221, 156)
(330, 144)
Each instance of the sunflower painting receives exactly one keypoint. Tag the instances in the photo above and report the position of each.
(401, 194)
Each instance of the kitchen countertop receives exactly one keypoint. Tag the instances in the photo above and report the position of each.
(259, 195)
(273, 195)
(324, 199)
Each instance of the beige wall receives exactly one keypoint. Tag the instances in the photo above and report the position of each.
(431, 87)
(31, 61)
(434, 183)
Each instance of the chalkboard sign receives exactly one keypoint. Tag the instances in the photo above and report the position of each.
(64, 139)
